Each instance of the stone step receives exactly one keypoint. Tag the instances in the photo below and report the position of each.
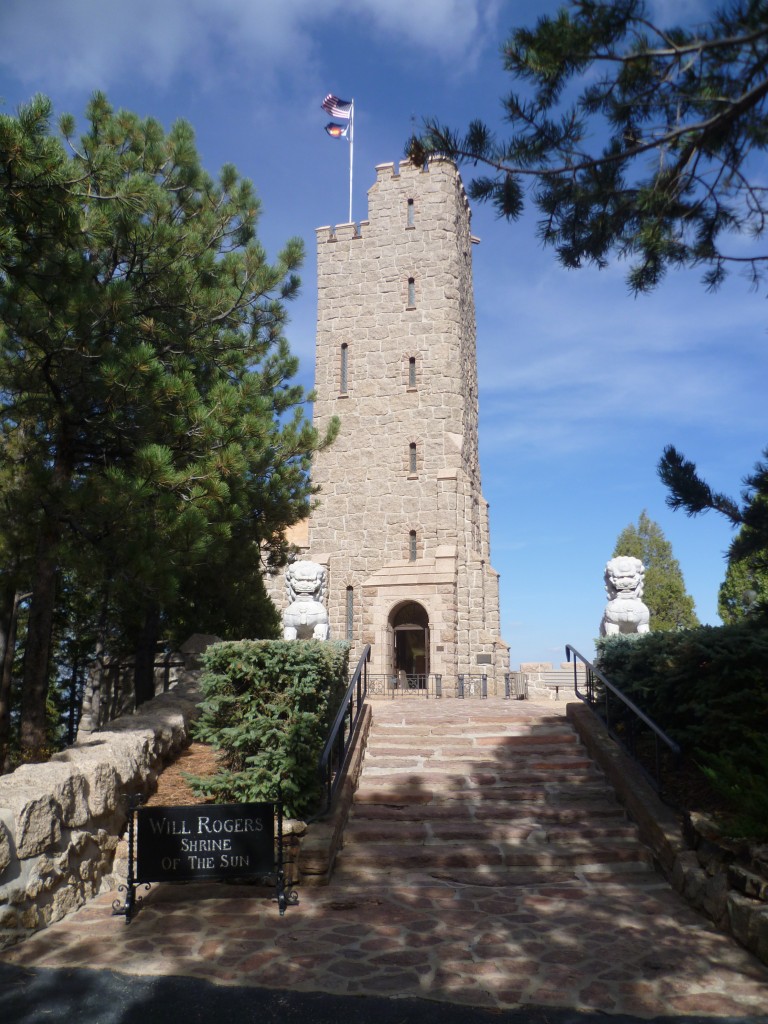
(597, 811)
(457, 765)
(480, 772)
(496, 747)
(470, 737)
(466, 797)
(497, 879)
(443, 854)
(361, 830)
(409, 787)
(553, 754)
(487, 736)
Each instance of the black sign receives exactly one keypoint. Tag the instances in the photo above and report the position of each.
(176, 844)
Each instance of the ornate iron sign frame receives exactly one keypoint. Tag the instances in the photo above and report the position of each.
(203, 842)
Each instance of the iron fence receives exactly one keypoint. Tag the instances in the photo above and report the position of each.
(465, 686)
(655, 753)
(469, 684)
(515, 686)
(403, 685)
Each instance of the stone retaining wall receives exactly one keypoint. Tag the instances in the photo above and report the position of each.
(706, 875)
(324, 838)
(60, 822)
(543, 682)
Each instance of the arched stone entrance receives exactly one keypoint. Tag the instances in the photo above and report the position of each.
(409, 623)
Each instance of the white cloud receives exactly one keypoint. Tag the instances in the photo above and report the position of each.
(90, 43)
(85, 43)
(592, 364)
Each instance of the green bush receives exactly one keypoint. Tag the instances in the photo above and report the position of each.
(707, 687)
(741, 777)
(268, 705)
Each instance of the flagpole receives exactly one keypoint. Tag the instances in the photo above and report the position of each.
(351, 153)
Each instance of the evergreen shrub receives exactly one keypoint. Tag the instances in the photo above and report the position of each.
(708, 689)
(268, 706)
(741, 777)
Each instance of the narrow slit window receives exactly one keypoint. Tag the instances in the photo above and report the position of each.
(344, 368)
(411, 216)
(412, 546)
(350, 612)
(412, 457)
(412, 372)
(411, 292)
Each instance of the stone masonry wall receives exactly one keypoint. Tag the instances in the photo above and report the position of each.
(396, 361)
(109, 686)
(544, 681)
(60, 822)
(370, 498)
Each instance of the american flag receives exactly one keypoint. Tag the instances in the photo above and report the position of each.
(335, 107)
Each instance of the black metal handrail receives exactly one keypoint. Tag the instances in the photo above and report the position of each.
(333, 759)
(628, 717)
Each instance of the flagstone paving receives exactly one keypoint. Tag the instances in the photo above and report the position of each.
(590, 934)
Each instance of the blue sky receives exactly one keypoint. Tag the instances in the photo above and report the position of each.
(581, 385)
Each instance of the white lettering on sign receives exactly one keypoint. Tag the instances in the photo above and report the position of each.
(205, 825)
(205, 845)
(202, 863)
(166, 827)
(235, 862)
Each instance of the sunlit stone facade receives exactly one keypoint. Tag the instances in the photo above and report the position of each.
(402, 525)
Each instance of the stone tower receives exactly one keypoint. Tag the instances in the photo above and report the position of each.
(402, 525)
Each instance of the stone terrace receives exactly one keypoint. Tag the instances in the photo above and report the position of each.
(560, 908)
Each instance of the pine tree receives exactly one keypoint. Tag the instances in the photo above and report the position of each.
(689, 492)
(748, 553)
(670, 606)
(632, 138)
(744, 591)
(147, 412)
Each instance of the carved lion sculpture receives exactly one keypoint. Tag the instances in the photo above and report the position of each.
(625, 611)
(305, 618)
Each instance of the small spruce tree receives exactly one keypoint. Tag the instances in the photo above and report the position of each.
(670, 606)
(744, 591)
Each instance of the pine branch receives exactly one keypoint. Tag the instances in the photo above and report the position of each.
(689, 492)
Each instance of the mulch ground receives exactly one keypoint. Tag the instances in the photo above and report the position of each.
(173, 789)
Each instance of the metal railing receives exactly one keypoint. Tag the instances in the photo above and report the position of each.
(338, 746)
(401, 684)
(649, 746)
(465, 685)
(515, 685)
(469, 684)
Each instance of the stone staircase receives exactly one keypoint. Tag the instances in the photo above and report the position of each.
(491, 793)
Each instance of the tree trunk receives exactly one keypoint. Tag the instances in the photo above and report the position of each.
(146, 649)
(6, 675)
(75, 702)
(34, 689)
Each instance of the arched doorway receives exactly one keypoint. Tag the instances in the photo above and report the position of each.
(410, 628)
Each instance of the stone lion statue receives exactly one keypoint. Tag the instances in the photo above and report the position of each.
(305, 618)
(625, 611)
